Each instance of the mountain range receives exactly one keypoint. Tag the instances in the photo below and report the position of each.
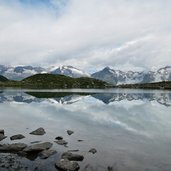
(115, 77)
(21, 72)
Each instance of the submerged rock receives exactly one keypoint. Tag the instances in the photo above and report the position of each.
(73, 150)
(2, 137)
(17, 137)
(69, 132)
(1, 131)
(39, 131)
(109, 168)
(93, 150)
(59, 138)
(88, 168)
(35, 142)
(72, 157)
(66, 165)
(61, 142)
(38, 147)
(16, 147)
(46, 153)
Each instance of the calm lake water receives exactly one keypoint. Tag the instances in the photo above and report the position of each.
(130, 129)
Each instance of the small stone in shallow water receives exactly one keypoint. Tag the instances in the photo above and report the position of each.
(73, 150)
(61, 142)
(34, 142)
(17, 137)
(1, 131)
(93, 150)
(46, 154)
(39, 131)
(66, 165)
(2, 137)
(109, 168)
(88, 168)
(12, 147)
(59, 138)
(69, 132)
(38, 147)
(72, 157)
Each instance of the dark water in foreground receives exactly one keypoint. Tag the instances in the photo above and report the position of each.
(131, 129)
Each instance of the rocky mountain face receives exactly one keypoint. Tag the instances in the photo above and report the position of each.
(117, 77)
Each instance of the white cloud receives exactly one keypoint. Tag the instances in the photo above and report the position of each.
(86, 34)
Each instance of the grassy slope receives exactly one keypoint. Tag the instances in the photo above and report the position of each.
(51, 81)
(3, 79)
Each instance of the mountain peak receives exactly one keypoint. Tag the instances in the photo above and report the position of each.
(107, 68)
(69, 71)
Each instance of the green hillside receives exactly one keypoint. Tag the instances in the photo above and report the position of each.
(50, 81)
(61, 81)
(3, 79)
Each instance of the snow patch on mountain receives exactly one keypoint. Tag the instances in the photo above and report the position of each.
(69, 71)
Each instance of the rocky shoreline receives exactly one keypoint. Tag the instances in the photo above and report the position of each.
(11, 155)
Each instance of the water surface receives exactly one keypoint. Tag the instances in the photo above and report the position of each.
(131, 129)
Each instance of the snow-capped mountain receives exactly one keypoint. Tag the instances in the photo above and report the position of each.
(118, 77)
(164, 74)
(19, 72)
(130, 77)
(68, 71)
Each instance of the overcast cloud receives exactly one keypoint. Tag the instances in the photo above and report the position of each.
(87, 34)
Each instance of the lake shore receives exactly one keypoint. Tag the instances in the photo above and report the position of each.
(18, 156)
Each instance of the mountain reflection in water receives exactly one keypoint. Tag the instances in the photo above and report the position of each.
(163, 98)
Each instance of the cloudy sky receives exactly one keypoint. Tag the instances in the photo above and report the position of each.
(87, 34)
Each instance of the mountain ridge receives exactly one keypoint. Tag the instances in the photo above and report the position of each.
(107, 74)
(117, 77)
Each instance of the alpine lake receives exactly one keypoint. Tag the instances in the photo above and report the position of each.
(130, 130)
